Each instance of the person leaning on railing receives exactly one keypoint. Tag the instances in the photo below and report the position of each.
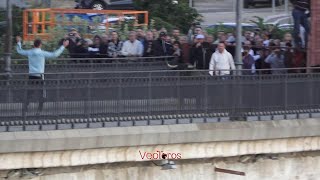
(132, 47)
(276, 61)
(200, 53)
(36, 58)
(162, 48)
(221, 61)
(115, 45)
(148, 44)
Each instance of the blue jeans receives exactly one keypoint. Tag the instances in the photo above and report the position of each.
(300, 18)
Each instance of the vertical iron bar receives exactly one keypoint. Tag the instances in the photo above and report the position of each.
(286, 95)
(206, 97)
(149, 96)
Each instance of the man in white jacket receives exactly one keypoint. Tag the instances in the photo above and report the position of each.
(221, 62)
(132, 47)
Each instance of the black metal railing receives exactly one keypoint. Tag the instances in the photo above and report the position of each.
(133, 96)
(97, 64)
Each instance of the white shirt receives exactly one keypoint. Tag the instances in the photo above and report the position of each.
(266, 42)
(133, 49)
(221, 61)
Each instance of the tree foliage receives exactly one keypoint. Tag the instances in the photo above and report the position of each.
(169, 15)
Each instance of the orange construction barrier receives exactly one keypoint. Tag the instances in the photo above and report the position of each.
(38, 22)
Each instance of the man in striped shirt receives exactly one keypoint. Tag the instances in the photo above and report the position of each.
(301, 13)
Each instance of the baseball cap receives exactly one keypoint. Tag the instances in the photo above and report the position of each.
(73, 29)
(200, 36)
(163, 34)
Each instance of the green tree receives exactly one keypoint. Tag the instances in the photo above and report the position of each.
(169, 15)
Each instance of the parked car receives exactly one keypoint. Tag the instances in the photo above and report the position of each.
(104, 4)
(247, 3)
(245, 26)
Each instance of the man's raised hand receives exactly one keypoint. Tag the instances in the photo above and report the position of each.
(18, 39)
(66, 43)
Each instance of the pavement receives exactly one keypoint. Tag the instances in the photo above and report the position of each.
(216, 11)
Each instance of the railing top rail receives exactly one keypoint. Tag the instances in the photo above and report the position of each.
(169, 71)
(112, 59)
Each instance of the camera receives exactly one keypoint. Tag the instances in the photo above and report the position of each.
(245, 53)
(72, 34)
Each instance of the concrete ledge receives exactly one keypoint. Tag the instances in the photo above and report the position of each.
(133, 154)
(35, 141)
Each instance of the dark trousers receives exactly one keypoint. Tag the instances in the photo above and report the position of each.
(300, 18)
(35, 92)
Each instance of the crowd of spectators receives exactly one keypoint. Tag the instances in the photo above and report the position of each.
(197, 49)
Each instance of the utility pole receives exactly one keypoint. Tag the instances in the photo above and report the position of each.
(190, 3)
(8, 39)
(286, 6)
(239, 11)
(273, 6)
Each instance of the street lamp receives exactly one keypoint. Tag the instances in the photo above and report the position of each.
(8, 39)
(239, 35)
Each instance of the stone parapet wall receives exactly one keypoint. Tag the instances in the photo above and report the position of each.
(134, 154)
(296, 166)
(83, 139)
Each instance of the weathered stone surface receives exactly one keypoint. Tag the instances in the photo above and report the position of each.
(133, 153)
(299, 166)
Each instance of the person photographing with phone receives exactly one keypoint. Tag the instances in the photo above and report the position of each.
(36, 61)
(276, 61)
(75, 43)
(248, 61)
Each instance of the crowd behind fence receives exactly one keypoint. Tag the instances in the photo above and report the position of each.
(193, 50)
(133, 96)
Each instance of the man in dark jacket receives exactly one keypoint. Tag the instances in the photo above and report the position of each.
(148, 44)
(161, 47)
(201, 53)
(74, 39)
(301, 13)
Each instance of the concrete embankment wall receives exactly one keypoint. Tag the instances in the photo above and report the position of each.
(296, 166)
(122, 149)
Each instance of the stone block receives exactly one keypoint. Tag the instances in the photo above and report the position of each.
(303, 115)
(315, 115)
(197, 120)
(278, 117)
(265, 118)
(252, 118)
(126, 123)
(141, 123)
(111, 124)
(169, 121)
(15, 128)
(183, 121)
(96, 125)
(80, 125)
(48, 127)
(3, 128)
(64, 126)
(224, 119)
(291, 116)
(156, 122)
(212, 120)
(32, 128)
